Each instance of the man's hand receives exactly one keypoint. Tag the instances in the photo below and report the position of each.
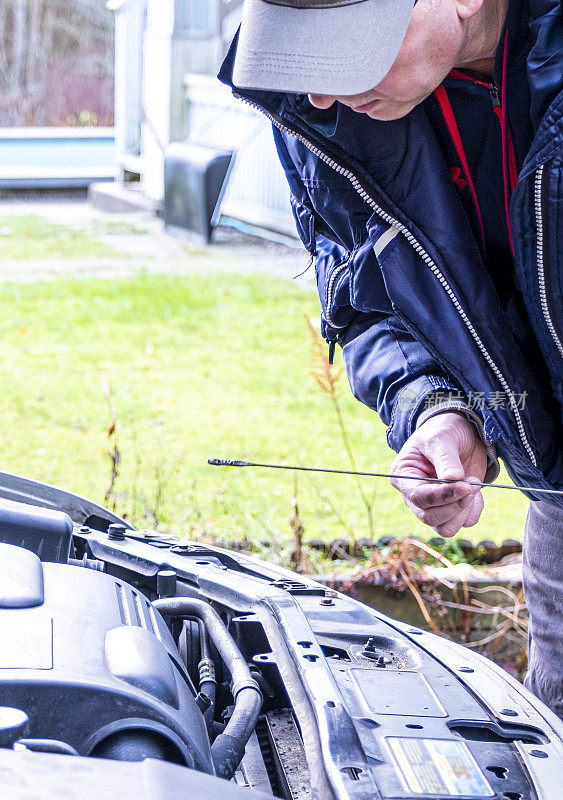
(445, 446)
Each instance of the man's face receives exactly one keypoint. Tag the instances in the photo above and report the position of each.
(429, 51)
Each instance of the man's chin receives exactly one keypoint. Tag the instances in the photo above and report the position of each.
(387, 112)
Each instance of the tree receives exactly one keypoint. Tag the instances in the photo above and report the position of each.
(56, 61)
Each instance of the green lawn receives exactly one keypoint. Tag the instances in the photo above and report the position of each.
(197, 366)
(29, 237)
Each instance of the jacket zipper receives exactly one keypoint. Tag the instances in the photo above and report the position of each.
(366, 197)
(510, 156)
(540, 260)
(333, 279)
(338, 271)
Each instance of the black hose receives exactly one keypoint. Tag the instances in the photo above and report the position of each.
(228, 748)
(207, 681)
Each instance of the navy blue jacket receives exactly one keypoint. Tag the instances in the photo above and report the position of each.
(407, 285)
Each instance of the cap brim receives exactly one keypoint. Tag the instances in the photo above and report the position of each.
(341, 50)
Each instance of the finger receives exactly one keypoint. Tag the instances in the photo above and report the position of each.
(468, 517)
(475, 510)
(451, 527)
(443, 455)
(405, 466)
(421, 494)
(439, 515)
(428, 495)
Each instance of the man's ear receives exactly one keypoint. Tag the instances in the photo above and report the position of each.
(467, 8)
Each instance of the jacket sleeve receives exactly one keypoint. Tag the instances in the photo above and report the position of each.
(387, 368)
(392, 373)
(544, 59)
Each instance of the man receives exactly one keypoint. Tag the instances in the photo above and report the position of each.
(423, 147)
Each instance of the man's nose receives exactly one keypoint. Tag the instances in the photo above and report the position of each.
(321, 100)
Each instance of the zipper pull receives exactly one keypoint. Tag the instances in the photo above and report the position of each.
(331, 349)
(493, 91)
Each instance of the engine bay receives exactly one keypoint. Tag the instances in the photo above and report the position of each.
(130, 658)
(96, 663)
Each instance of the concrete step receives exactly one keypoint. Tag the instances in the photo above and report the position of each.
(121, 198)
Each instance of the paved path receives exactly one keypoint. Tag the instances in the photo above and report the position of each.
(142, 245)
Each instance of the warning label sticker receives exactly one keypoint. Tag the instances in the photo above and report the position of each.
(439, 767)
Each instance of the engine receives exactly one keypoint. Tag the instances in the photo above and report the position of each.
(94, 666)
(140, 664)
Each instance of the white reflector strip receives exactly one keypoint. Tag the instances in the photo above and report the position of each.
(384, 239)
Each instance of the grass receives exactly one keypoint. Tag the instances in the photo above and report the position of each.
(196, 366)
(29, 237)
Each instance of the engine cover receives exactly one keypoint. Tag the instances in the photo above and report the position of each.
(87, 657)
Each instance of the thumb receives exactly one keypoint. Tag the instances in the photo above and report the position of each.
(444, 455)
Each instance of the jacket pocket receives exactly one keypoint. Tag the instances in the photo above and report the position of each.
(334, 269)
(368, 292)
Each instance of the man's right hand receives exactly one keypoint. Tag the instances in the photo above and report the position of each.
(445, 446)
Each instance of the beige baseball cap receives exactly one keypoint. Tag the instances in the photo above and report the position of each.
(333, 47)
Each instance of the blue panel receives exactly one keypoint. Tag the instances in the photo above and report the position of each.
(63, 152)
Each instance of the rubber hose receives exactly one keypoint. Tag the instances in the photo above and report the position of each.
(228, 748)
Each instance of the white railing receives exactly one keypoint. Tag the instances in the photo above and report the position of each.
(257, 192)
